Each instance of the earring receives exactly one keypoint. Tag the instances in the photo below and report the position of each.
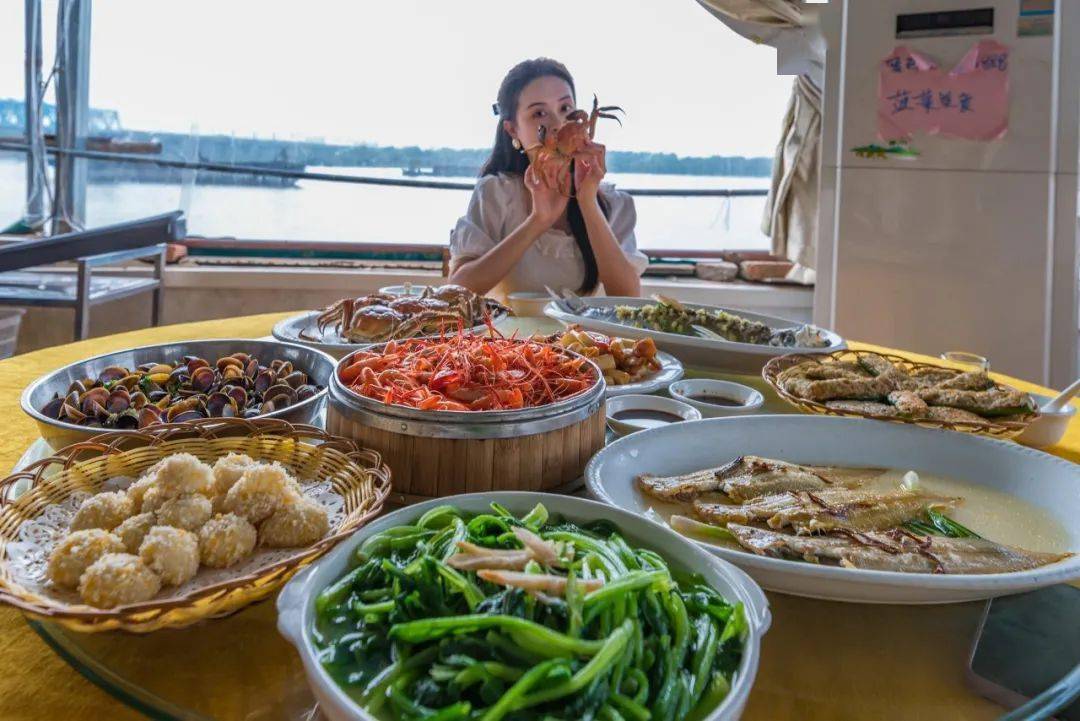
(516, 143)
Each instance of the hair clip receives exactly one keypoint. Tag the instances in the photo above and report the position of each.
(495, 108)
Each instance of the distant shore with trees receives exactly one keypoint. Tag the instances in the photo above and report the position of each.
(437, 161)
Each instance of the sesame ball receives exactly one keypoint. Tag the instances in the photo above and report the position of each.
(261, 490)
(153, 499)
(225, 540)
(132, 531)
(184, 473)
(189, 511)
(76, 552)
(137, 490)
(117, 579)
(171, 553)
(104, 510)
(227, 471)
(294, 524)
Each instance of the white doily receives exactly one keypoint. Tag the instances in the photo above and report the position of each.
(28, 557)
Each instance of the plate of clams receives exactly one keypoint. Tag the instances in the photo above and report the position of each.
(175, 382)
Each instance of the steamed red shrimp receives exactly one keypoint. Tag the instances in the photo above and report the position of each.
(464, 372)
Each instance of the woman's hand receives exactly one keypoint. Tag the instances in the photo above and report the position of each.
(589, 169)
(482, 274)
(548, 204)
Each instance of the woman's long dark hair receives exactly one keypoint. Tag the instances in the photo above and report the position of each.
(505, 158)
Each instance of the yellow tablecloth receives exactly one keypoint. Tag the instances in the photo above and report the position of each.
(35, 683)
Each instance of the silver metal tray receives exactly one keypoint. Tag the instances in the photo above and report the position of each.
(318, 365)
(289, 331)
(465, 424)
(721, 354)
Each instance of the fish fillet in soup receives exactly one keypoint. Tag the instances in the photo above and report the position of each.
(894, 550)
(814, 511)
(742, 479)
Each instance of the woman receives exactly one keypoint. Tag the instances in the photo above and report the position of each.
(519, 234)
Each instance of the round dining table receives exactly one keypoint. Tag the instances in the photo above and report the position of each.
(820, 659)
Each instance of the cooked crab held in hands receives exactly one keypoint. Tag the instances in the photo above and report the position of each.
(552, 158)
(383, 316)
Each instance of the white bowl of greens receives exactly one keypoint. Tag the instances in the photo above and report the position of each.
(401, 621)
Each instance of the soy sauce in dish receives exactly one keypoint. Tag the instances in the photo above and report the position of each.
(646, 418)
(715, 400)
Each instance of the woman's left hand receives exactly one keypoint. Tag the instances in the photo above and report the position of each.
(589, 169)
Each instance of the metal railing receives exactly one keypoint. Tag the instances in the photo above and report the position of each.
(339, 178)
(367, 250)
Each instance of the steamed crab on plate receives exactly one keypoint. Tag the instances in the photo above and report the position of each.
(383, 316)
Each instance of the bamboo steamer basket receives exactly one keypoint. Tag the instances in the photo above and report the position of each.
(434, 454)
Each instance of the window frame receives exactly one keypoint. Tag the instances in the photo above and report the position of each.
(73, 149)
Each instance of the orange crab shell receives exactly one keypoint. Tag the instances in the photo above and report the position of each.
(574, 134)
(551, 158)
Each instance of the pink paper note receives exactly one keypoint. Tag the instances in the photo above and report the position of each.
(971, 101)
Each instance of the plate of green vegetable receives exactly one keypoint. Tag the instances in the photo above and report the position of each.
(520, 606)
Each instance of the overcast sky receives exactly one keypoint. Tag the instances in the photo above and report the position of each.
(418, 72)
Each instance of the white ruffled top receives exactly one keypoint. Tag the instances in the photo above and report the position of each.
(500, 203)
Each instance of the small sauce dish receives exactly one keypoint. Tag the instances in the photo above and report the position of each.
(406, 289)
(525, 303)
(714, 399)
(630, 413)
(1048, 428)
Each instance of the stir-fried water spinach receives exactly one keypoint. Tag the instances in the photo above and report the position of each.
(571, 623)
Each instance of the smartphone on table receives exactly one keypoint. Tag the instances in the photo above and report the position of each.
(1025, 644)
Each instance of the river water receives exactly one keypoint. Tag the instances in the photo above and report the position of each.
(320, 210)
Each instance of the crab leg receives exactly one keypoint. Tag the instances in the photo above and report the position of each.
(602, 112)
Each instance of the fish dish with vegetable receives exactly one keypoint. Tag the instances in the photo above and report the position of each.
(857, 518)
(668, 315)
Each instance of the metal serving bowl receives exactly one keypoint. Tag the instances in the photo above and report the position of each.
(465, 424)
(318, 365)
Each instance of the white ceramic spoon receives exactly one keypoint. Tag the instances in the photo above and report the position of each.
(1056, 403)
